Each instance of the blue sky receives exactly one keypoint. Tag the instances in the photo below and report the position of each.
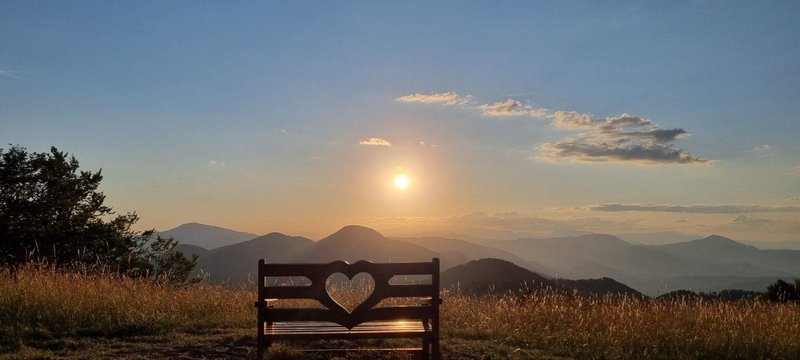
(250, 115)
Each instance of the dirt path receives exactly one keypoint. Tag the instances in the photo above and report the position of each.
(241, 346)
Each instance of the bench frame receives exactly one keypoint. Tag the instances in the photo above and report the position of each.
(318, 323)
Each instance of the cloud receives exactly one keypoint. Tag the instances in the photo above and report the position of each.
(623, 138)
(443, 98)
(216, 163)
(572, 120)
(11, 74)
(762, 148)
(696, 209)
(650, 153)
(511, 107)
(375, 141)
(750, 221)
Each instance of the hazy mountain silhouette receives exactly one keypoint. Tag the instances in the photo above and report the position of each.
(656, 238)
(709, 264)
(472, 251)
(237, 262)
(774, 245)
(206, 236)
(496, 275)
(721, 250)
(353, 243)
(190, 249)
(564, 253)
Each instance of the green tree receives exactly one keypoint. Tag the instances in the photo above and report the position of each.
(52, 211)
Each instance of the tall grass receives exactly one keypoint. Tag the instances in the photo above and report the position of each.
(630, 328)
(39, 301)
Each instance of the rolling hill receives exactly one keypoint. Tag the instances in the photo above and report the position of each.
(206, 236)
(236, 263)
(472, 251)
(498, 276)
(710, 264)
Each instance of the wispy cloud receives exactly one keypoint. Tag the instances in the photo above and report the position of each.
(749, 221)
(216, 163)
(512, 107)
(696, 209)
(443, 98)
(375, 141)
(11, 74)
(572, 120)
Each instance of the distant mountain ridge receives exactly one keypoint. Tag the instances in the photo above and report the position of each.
(236, 263)
(472, 251)
(499, 276)
(709, 264)
(206, 236)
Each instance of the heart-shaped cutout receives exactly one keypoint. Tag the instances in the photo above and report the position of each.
(350, 292)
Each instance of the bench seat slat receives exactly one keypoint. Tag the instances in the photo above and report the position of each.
(374, 314)
(385, 329)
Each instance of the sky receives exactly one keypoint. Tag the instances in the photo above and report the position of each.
(509, 119)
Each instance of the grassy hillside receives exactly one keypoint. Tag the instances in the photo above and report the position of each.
(46, 313)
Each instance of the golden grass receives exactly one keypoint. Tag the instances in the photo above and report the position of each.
(36, 299)
(628, 328)
(40, 302)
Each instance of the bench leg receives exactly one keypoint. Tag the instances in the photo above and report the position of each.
(426, 349)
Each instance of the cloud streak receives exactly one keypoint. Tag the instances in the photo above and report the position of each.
(375, 141)
(511, 107)
(442, 98)
(750, 221)
(695, 209)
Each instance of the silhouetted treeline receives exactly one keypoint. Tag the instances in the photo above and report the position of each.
(51, 211)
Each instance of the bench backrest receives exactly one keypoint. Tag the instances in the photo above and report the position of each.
(366, 311)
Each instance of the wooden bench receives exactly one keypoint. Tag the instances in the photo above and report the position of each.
(366, 321)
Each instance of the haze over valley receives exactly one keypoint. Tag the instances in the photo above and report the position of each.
(713, 263)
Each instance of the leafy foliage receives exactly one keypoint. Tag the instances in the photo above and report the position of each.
(782, 291)
(52, 211)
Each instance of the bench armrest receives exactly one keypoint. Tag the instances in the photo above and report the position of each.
(270, 302)
(428, 301)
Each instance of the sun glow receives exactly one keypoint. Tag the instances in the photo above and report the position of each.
(401, 182)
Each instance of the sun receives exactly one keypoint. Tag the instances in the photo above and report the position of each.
(401, 182)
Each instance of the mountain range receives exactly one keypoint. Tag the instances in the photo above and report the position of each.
(206, 236)
(710, 264)
(496, 275)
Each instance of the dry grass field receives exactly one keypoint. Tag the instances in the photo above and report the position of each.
(47, 313)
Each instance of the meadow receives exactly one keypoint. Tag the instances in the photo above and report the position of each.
(49, 313)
